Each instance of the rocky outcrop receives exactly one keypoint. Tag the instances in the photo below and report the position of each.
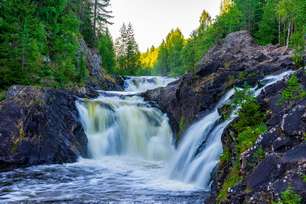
(283, 163)
(40, 126)
(233, 61)
(98, 78)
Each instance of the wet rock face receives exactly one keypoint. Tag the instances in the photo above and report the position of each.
(284, 146)
(39, 126)
(233, 61)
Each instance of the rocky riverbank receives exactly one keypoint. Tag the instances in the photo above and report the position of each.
(273, 169)
(40, 126)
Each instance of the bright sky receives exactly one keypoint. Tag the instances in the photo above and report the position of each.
(153, 19)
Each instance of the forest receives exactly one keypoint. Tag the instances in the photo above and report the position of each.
(39, 40)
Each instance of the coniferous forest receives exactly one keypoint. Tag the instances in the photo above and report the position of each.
(40, 39)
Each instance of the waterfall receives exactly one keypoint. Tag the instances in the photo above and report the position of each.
(123, 124)
(201, 147)
(141, 84)
(117, 123)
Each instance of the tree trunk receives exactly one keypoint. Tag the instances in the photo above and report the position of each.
(279, 30)
(95, 16)
(288, 36)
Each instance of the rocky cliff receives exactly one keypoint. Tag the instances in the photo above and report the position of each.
(40, 126)
(275, 165)
(98, 78)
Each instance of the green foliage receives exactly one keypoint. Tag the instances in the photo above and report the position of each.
(107, 52)
(39, 42)
(231, 180)
(267, 32)
(247, 137)
(226, 155)
(259, 154)
(304, 178)
(293, 91)
(289, 197)
(2, 95)
(169, 60)
(128, 56)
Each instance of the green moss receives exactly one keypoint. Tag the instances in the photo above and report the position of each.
(289, 197)
(293, 91)
(226, 155)
(21, 136)
(231, 180)
(243, 75)
(2, 95)
(259, 154)
(182, 127)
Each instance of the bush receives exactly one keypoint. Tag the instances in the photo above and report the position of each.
(289, 197)
(293, 91)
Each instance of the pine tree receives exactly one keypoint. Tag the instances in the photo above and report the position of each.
(107, 52)
(128, 56)
(101, 15)
(267, 32)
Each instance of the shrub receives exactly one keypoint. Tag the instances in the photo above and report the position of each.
(289, 197)
(293, 91)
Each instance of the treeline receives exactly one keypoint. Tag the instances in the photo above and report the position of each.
(269, 21)
(40, 40)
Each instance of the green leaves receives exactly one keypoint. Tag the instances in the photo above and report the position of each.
(293, 91)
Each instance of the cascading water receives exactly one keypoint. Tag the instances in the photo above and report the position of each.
(117, 123)
(141, 84)
(125, 125)
(201, 147)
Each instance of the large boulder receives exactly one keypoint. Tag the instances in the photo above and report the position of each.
(233, 61)
(39, 126)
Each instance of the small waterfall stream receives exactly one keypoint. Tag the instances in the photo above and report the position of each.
(193, 167)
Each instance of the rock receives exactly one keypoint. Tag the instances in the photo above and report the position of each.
(233, 61)
(98, 78)
(39, 126)
(284, 148)
(295, 155)
(264, 172)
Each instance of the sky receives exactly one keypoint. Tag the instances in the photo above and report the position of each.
(153, 19)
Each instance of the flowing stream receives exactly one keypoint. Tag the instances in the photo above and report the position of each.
(133, 157)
